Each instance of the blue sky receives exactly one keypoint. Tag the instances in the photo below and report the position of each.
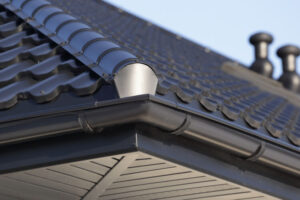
(224, 25)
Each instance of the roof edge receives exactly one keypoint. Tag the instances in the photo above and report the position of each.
(144, 109)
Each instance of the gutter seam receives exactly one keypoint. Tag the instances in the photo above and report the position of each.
(184, 126)
(258, 153)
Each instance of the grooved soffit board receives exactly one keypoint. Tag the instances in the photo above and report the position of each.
(101, 55)
(132, 176)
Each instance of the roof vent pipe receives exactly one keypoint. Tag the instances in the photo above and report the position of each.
(262, 64)
(290, 79)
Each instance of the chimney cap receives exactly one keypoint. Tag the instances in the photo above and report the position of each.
(287, 50)
(261, 37)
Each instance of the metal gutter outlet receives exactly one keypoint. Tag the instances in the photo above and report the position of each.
(135, 79)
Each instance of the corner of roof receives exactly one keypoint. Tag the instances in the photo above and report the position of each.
(104, 57)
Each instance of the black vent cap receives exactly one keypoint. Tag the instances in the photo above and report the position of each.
(289, 79)
(287, 50)
(261, 64)
(261, 37)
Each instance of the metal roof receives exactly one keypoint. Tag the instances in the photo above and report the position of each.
(33, 67)
(189, 75)
(58, 75)
(192, 75)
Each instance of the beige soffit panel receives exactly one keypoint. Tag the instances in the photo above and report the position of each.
(133, 176)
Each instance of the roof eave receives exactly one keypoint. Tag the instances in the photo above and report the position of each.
(148, 109)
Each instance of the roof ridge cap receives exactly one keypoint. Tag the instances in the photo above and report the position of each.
(101, 55)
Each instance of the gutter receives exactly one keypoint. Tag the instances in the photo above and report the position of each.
(150, 110)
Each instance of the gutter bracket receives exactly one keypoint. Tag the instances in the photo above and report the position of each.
(185, 124)
(85, 126)
(259, 151)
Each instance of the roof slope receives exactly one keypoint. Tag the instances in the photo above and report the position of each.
(34, 67)
(191, 76)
